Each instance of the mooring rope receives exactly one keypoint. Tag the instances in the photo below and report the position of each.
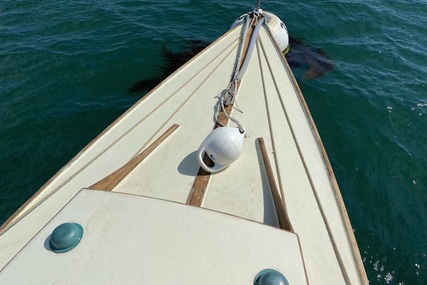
(228, 96)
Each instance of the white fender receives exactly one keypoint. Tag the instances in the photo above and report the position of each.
(223, 146)
(278, 30)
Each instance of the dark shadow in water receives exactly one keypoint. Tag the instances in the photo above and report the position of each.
(172, 61)
(312, 61)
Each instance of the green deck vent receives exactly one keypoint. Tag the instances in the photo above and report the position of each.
(270, 277)
(65, 237)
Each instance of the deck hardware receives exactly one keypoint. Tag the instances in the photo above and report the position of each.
(270, 277)
(65, 237)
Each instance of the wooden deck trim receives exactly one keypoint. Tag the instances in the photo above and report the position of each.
(111, 181)
(333, 181)
(282, 213)
(200, 185)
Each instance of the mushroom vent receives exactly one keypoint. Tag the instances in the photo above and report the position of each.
(65, 237)
(270, 277)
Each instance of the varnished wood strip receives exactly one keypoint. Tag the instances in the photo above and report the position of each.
(282, 214)
(110, 182)
(200, 185)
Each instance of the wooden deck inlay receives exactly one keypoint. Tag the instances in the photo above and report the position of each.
(282, 214)
(200, 185)
(110, 182)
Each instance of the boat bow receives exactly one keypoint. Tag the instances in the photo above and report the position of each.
(277, 206)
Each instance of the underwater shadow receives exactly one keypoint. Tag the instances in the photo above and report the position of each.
(313, 62)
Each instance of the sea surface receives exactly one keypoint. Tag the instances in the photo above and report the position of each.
(65, 67)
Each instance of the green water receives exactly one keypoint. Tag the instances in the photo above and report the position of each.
(65, 67)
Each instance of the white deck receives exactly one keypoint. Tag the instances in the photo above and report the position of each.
(272, 109)
(161, 243)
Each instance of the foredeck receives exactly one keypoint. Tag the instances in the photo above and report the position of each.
(139, 240)
(272, 109)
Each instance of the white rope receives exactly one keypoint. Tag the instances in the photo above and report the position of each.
(250, 48)
(243, 33)
(228, 96)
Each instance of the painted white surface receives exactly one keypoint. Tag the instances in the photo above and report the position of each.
(138, 240)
